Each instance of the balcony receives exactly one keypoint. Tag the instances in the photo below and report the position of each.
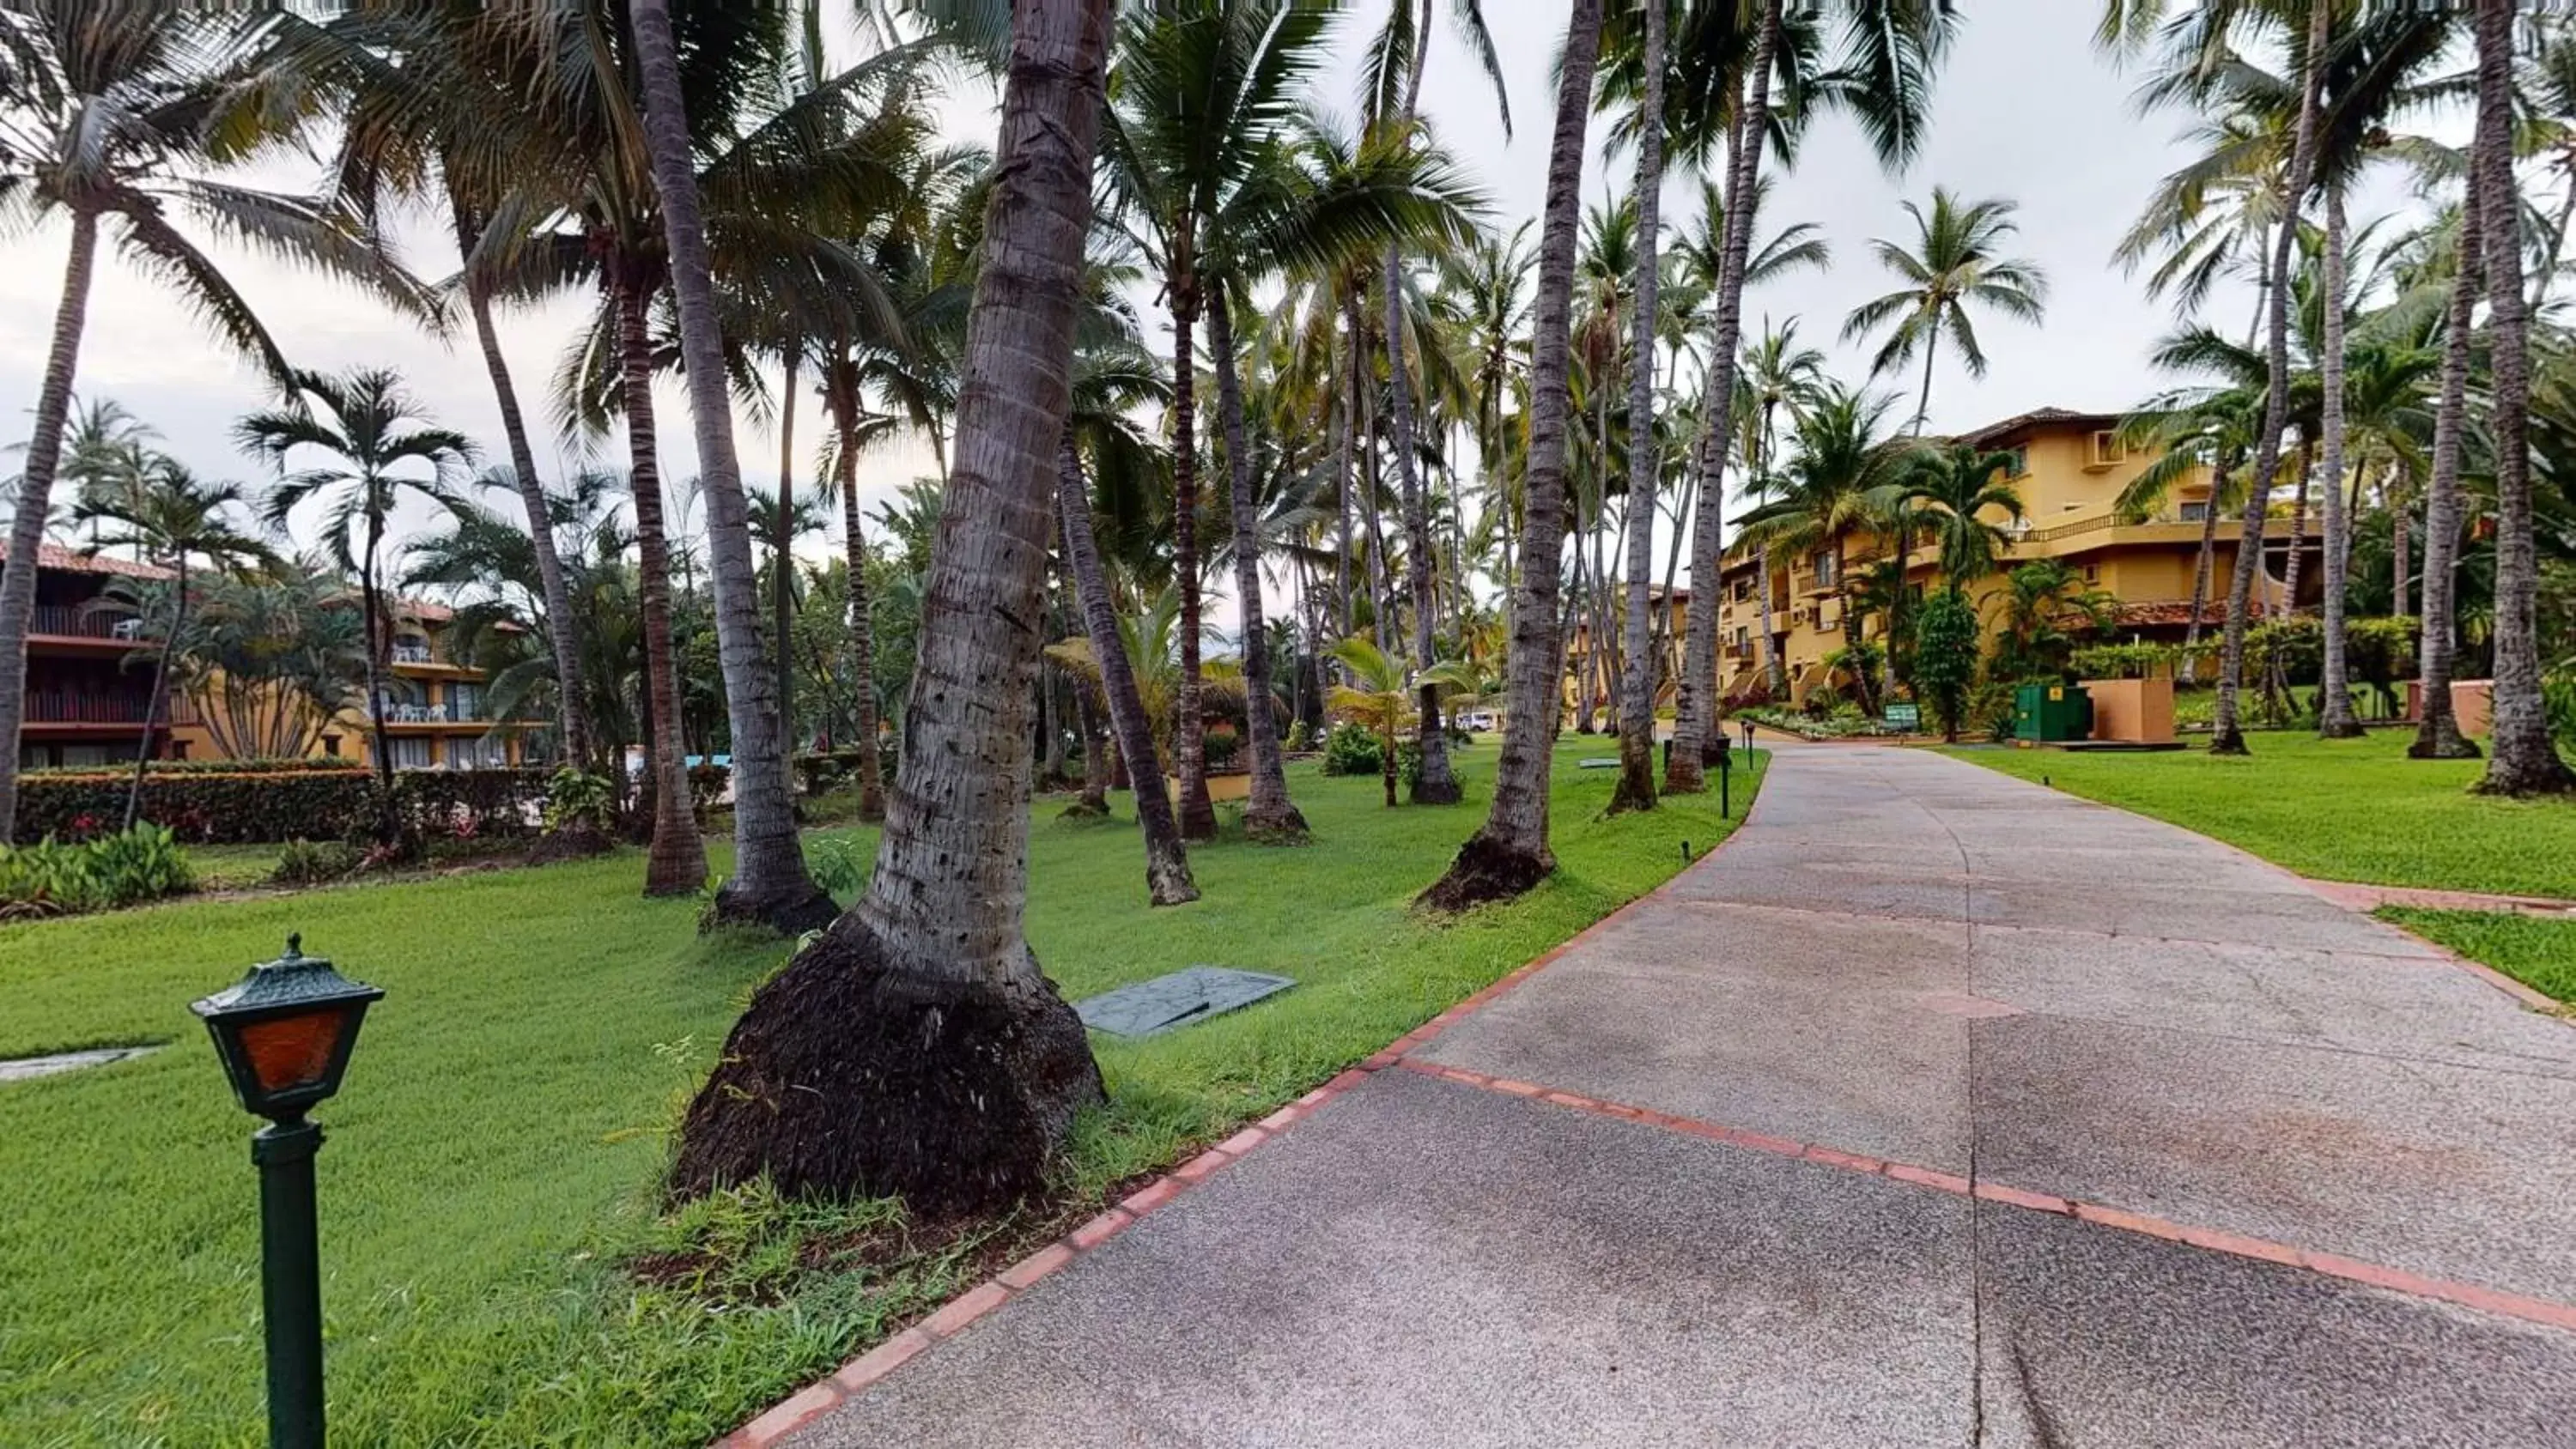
(79, 621)
(413, 654)
(75, 707)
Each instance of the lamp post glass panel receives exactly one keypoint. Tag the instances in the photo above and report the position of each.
(284, 1033)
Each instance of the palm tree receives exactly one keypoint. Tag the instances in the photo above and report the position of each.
(1888, 53)
(269, 661)
(2523, 760)
(1779, 374)
(2437, 735)
(2046, 604)
(1845, 462)
(1961, 487)
(174, 520)
(769, 884)
(1509, 854)
(1403, 47)
(1956, 264)
(915, 1049)
(1636, 789)
(1379, 697)
(2209, 429)
(108, 103)
(378, 443)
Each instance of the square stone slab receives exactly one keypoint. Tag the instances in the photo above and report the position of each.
(1181, 998)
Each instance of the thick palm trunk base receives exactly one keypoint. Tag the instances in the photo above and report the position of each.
(1636, 790)
(847, 1079)
(1434, 786)
(2438, 737)
(1485, 872)
(1282, 824)
(802, 907)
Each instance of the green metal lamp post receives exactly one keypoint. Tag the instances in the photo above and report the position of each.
(284, 1034)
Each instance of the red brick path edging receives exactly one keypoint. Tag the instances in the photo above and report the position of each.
(2356, 895)
(2467, 1295)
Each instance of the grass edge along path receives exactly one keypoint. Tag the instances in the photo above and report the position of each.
(2538, 951)
(490, 1179)
(2335, 810)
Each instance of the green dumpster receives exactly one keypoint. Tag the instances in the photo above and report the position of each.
(2044, 712)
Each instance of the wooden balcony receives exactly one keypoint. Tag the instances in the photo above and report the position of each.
(101, 709)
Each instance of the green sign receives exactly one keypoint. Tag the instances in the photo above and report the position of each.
(1905, 716)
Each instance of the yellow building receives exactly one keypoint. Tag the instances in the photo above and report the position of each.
(2069, 470)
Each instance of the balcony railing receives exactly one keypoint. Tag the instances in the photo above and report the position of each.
(75, 707)
(78, 621)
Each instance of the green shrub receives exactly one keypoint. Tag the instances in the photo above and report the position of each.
(1301, 737)
(126, 868)
(2558, 696)
(1352, 750)
(325, 802)
(577, 797)
(308, 863)
(840, 865)
(1222, 745)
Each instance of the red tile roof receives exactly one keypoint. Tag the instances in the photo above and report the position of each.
(58, 559)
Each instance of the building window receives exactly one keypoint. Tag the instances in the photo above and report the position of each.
(411, 649)
(2092, 573)
(331, 746)
(2195, 512)
(1822, 565)
(411, 752)
(464, 701)
(2106, 449)
(2019, 467)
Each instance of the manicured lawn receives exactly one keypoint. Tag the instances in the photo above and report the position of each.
(494, 1156)
(2352, 810)
(2539, 952)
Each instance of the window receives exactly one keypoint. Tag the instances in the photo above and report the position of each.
(1822, 566)
(1826, 615)
(410, 752)
(2092, 573)
(2019, 467)
(411, 649)
(2106, 450)
(331, 746)
(464, 701)
(2195, 512)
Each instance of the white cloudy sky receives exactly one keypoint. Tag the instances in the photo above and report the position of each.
(2025, 109)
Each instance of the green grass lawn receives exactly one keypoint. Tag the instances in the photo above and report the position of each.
(494, 1155)
(2351, 810)
(2539, 952)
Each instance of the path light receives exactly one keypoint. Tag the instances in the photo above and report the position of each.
(284, 1034)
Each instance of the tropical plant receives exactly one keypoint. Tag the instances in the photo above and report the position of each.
(377, 443)
(914, 1049)
(110, 107)
(170, 517)
(1964, 490)
(1954, 264)
(1845, 463)
(2047, 610)
(1945, 657)
(1379, 698)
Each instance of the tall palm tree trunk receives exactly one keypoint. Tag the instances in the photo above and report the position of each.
(769, 884)
(1435, 783)
(2201, 566)
(561, 625)
(1695, 732)
(863, 665)
(1509, 854)
(1095, 756)
(371, 601)
(35, 503)
(916, 1049)
(1636, 788)
(676, 864)
(2437, 731)
(782, 583)
(2522, 760)
(1345, 458)
(1167, 860)
(1189, 722)
(2294, 558)
(160, 689)
(2335, 719)
(1269, 816)
(1773, 665)
(2227, 735)
(2401, 543)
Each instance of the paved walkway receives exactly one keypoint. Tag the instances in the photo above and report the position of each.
(1936, 1109)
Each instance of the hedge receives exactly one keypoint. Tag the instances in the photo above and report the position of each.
(266, 805)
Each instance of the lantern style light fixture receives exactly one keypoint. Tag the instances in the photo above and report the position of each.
(284, 1033)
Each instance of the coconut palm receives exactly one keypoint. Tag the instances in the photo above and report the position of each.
(1955, 264)
(1509, 854)
(1845, 462)
(2523, 759)
(2046, 608)
(1636, 788)
(1779, 375)
(176, 521)
(915, 1049)
(1886, 55)
(374, 442)
(108, 107)
(269, 661)
(1378, 698)
(2204, 429)
(1964, 489)
(2437, 736)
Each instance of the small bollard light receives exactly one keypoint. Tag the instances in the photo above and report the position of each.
(1748, 735)
(1686, 852)
(1726, 781)
(284, 1033)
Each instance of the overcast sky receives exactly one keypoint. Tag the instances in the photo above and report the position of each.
(2024, 110)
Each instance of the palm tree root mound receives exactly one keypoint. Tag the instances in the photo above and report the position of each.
(846, 1078)
(1275, 827)
(789, 915)
(577, 841)
(1485, 872)
(1437, 792)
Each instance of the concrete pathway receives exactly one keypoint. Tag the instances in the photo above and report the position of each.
(1937, 1108)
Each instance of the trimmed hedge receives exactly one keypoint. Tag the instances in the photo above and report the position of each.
(268, 804)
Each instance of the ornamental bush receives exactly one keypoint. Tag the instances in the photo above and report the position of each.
(1352, 750)
(128, 868)
(261, 805)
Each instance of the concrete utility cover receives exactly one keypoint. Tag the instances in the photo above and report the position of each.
(1596, 764)
(25, 1067)
(1150, 1008)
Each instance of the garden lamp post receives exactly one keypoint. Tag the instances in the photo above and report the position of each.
(284, 1034)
